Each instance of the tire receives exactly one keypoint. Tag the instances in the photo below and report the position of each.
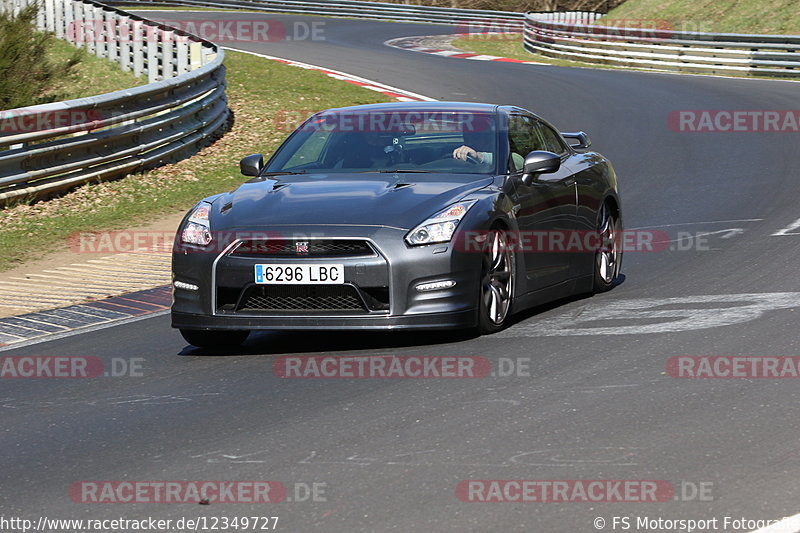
(214, 339)
(496, 284)
(608, 259)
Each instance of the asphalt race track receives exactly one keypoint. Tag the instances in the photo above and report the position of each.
(595, 401)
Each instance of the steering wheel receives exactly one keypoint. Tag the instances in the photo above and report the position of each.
(449, 157)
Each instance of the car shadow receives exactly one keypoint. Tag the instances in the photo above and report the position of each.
(539, 309)
(294, 342)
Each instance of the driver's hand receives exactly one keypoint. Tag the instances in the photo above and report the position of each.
(463, 151)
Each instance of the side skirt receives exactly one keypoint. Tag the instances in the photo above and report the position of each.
(571, 287)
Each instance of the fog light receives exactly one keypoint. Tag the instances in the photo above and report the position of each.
(436, 285)
(185, 286)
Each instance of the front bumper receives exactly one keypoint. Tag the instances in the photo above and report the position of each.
(385, 282)
(455, 320)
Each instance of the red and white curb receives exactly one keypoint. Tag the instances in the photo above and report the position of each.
(413, 44)
(394, 92)
(51, 324)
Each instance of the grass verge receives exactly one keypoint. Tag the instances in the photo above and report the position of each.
(781, 17)
(268, 99)
(93, 75)
(511, 46)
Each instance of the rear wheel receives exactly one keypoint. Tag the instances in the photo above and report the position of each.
(496, 283)
(214, 339)
(608, 259)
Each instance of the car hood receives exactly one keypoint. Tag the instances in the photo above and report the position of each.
(396, 200)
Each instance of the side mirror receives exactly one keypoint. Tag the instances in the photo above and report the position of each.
(580, 136)
(252, 165)
(539, 162)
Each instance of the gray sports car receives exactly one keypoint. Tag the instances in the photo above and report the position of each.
(399, 216)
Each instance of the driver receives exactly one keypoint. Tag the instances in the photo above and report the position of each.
(478, 145)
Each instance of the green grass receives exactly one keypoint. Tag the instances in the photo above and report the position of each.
(729, 16)
(92, 76)
(260, 93)
(511, 46)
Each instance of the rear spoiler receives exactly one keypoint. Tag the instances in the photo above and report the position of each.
(581, 137)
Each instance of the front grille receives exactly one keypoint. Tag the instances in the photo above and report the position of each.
(288, 298)
(265, 248)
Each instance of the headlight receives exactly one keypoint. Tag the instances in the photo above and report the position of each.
(441, 226)
(198, 228)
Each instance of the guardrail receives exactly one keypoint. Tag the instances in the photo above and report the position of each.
(663, 49)
(51, 147)
(567, 17)
(355, 9)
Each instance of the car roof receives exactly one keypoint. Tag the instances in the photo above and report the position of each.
(468, 107)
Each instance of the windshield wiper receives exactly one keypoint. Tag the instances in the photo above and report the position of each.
(401, 171)
(283, 173)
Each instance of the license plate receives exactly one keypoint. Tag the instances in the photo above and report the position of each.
(294, 274)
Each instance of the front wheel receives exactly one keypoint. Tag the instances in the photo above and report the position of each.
(496, 284)
(608, 259)
(214, 339)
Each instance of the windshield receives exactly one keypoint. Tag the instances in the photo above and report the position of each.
(397, 141)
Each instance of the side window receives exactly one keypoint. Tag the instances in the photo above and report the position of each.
(552, 141)
(522, 139)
